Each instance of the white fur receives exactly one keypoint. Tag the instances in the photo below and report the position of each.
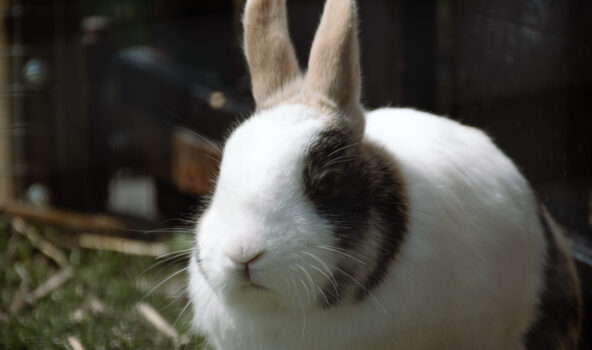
(466, 277)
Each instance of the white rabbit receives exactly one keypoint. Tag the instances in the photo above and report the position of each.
(335, 228)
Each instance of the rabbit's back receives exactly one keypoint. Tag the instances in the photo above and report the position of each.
(477, 254)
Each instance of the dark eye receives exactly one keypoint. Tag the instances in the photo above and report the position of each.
(329, 183)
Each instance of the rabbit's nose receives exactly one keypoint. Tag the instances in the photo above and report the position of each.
(244, 259)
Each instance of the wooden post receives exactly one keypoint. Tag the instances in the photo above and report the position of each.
(6, 168)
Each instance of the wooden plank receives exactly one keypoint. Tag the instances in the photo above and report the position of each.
(46, 247)
(123, 245)
(75, 343)
(63, 218)
(156, 320)
(54, 282)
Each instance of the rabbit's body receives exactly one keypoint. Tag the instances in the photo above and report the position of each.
(335, 228)
(469, 272)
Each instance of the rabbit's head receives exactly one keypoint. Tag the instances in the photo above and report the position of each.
(293, 219)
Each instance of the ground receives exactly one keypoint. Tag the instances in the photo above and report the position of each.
(100, 306)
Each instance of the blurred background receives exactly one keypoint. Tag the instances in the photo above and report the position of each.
(111, 112)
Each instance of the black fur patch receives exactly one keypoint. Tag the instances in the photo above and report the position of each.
(335, 181)
(356, 187)
(391, 206)
(560, 305)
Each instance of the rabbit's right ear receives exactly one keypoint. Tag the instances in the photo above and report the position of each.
(334, 63)
(270, 54)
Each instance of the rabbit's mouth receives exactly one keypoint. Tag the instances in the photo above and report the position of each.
(246, 282)
(252, 285)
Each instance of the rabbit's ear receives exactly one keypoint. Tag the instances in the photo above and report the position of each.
(268, 47)
(334, 64)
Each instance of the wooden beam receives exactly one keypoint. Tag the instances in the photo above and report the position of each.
(66, 219)
(123, 245)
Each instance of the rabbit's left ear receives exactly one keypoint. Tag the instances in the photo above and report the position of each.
(334, 64)
(268, 48)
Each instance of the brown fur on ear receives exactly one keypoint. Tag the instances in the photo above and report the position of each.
(334, 64)
(268, 48)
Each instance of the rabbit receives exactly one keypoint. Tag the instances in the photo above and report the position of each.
(333, 227)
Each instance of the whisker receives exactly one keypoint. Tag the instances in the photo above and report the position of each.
(171, 257)
(170, 112)
(308, 277)
(306, 289)
(344, 157)
(328, 278)
(324, 296)
(166, 263)
(332, 278)
(341, 159)
(181, 313)
(336, 162)
(164, 281)
(183, 251)
(343, 148)
(163, 230)
(355, 280)
(290, 290)
(342, 253)
(303, 322)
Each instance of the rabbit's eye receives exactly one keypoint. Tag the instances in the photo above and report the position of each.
(328, 184)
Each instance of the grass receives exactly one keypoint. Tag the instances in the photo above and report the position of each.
(97, 306)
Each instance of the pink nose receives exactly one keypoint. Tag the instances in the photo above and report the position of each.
(243, 259)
